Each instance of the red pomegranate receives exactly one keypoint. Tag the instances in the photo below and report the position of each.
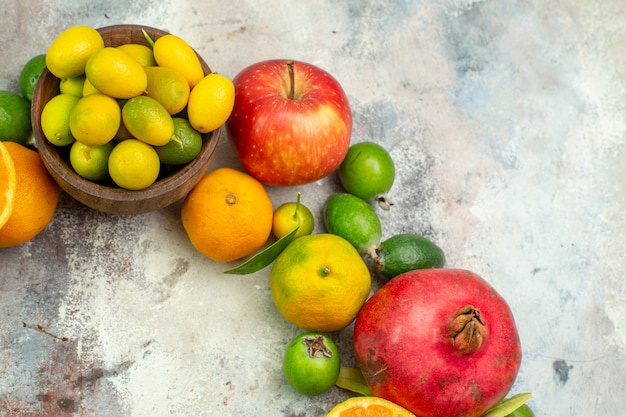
(439, 342)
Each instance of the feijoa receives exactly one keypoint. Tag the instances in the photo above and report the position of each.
(353, 219)
(406, 252)
(368, 172)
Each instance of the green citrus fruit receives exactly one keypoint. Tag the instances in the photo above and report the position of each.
(147, 120)
(311, 363)
(55, 119)
(14, 118)
(72, 85)
(183, 147)
(406, 252)
(368, 172)
(355, 220)
(134, 165)
(290, 215)
(91, 162)
(30, 75)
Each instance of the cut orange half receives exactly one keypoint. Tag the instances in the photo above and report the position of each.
(368, 407)
(8, 183)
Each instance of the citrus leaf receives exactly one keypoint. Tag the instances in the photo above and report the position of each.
(265, 257)
(351, 379)
(509, 405)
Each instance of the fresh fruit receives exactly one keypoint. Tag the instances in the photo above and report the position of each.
(319, 282)
(35, 200)
(8, 183)
(288, 216)
(523, 411)
(291, 122)
(458, 352)
(355, 220)
(95, 119)
(141, 53)
(170, 51)
(88, 88)
(368, 172)
(115, 73)
(69, 52)
(368, 407)
(147, 120)
(72, 85)
(184, 145)
(227, 215)
(14, 118)
(168, 87)
(133, 164)
(211, 102)
(55, 119)
(91, 162)
(30, 75)
(311, 363)
(406, 252)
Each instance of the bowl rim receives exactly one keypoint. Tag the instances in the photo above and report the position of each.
(72, 182)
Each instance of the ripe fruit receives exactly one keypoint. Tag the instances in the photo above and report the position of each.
(14, 118)
(95, 119)
(368, 172)
(353, 219)
(311, 363)
(168, 87)
(72, 85)
(30, 75)
(69, 52)
(291, 122)
(211, 102)
(368, 407)
(35, 200)
(147, 120)
(227, 215)
(133, 164)
(7, 184)
(319, 282)
(115, 73)
(439, 342)
(407, 252)
(141, 53)
(291, 215)
(170, 51)
(55, 119)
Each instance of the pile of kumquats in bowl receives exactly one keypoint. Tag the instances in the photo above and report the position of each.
(127, 118)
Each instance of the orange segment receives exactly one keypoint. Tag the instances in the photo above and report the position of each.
(7, 181)
(368, 407)
(36, 197)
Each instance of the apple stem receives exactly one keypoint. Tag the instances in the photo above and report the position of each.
(291, 80)
(295, 213)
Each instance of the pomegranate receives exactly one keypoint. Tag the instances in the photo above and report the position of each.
(438, 342)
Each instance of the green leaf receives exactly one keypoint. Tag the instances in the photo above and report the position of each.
(509, 405)
(265, 257)
(351, 379)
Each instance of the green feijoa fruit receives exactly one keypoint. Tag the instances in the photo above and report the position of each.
(368, 172)
(353, 219)
(407, 252)
(311, 363)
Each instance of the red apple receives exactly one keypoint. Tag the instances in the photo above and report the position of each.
(291, 122)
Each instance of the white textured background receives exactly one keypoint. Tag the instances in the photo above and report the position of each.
(507, 122)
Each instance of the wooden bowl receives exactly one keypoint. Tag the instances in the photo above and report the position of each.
(108, 198)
